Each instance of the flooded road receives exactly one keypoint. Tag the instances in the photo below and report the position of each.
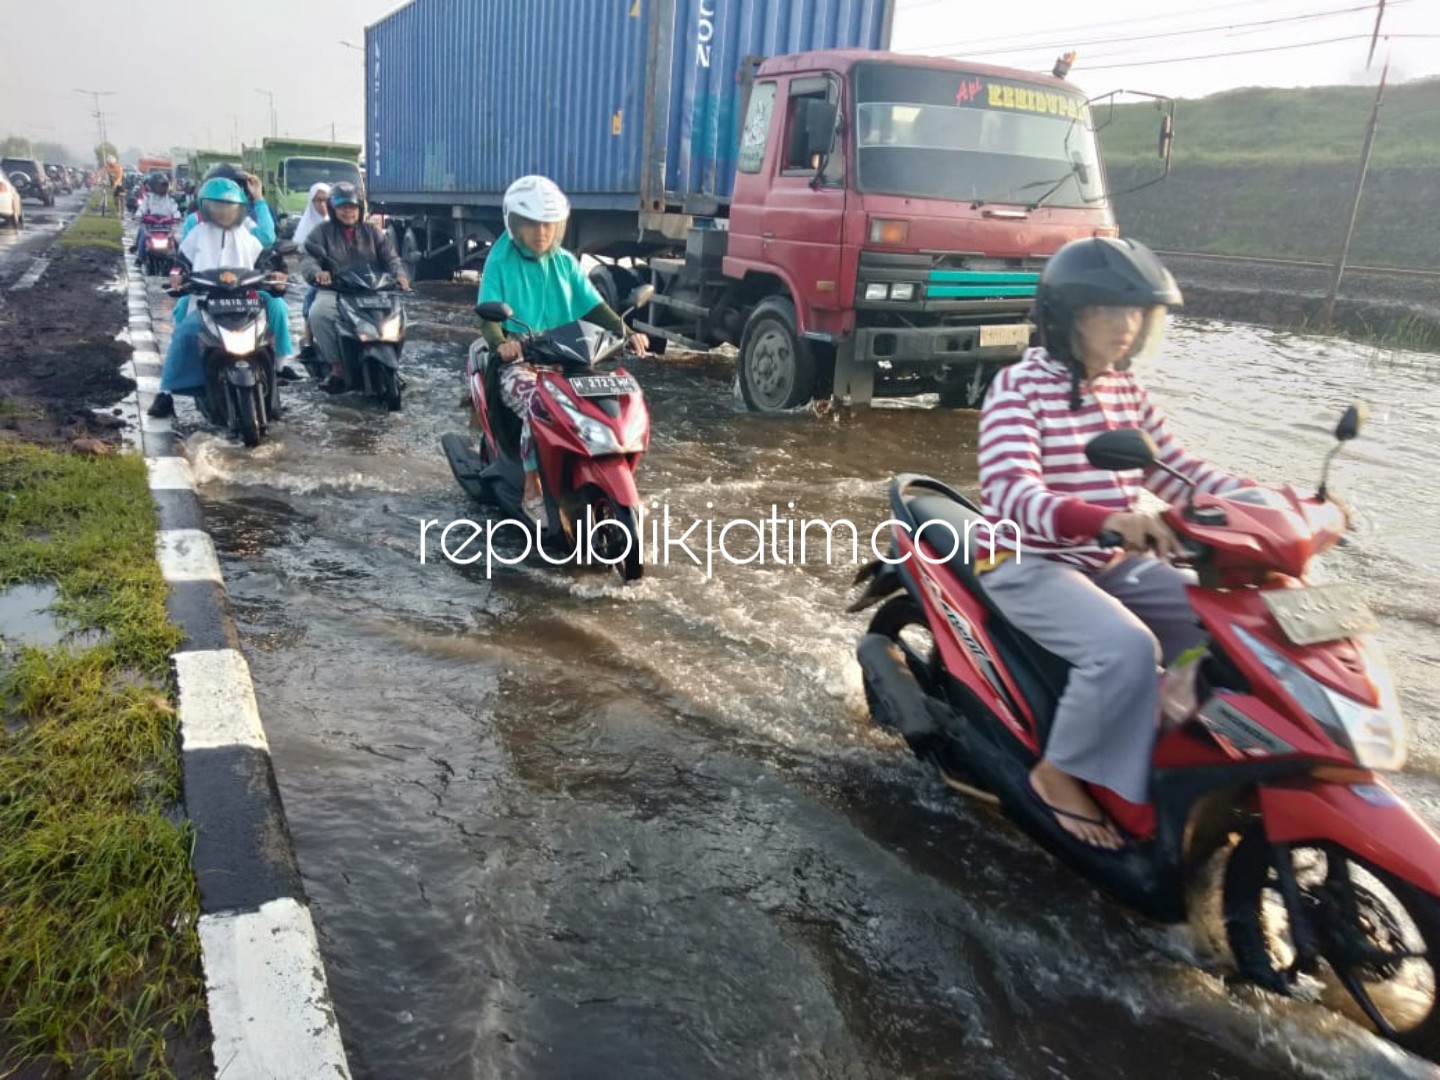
(552, 827)
(19, 247)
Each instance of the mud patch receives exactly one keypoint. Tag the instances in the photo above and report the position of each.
(60, 366)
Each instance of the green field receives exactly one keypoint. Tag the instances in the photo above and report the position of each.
(1260, 126)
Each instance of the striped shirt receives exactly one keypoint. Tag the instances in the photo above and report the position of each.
(1033, 469)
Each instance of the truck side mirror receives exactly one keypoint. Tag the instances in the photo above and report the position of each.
(819, 127)
(1167, 135)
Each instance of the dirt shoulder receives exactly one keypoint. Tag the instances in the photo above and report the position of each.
(60, 359)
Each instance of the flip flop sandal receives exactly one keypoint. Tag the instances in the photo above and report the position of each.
(1057, 812)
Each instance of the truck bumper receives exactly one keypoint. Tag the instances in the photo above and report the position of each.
(912, 360)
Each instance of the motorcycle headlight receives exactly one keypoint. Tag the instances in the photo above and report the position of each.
(390, 328)
(635, 428)
(240, 342)
(1376, 736)
(598, 438)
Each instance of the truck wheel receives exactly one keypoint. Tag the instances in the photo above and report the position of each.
(777, 369)
(604, 283)
(965, 395)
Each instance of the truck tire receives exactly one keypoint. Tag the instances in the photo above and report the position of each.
(777, 367)
(604, 282)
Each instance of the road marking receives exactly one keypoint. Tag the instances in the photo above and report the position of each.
(187, 555)
(217, 701)
(32, 275)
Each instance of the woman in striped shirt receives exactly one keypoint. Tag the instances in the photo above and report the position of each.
(1113, 614)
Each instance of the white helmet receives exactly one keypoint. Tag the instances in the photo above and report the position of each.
(535, 197)
(109, 159)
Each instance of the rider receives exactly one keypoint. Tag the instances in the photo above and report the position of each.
(334, 247)
(317, 212)
(261, 223)
(545, 288)
(220, 240)
(1100, 308)
(156, 202)
(116, 173)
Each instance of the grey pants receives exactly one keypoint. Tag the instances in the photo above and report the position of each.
(324, 330)
(1114, 627)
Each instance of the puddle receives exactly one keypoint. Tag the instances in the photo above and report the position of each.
(26, 619)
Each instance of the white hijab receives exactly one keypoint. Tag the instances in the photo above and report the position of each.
(311, 217)
(209, 247)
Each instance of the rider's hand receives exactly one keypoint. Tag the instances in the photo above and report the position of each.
(510, 351)
(322, 277)
(1141, 531)
(253, 187)
(404, 284)
(639, 344)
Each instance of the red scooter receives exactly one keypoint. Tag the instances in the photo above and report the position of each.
(158, 251)
(589, 430)
(1291, 714)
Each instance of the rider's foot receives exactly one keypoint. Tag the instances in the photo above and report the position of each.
(288, 370)
(533, 501)
(162, 407)
(1075, 812)
(333, 384)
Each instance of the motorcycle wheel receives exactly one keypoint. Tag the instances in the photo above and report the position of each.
(1377, 935)
(902, 620)
(618, 525)
(387, 387)
(248, 411)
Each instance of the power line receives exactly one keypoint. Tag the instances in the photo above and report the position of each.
(1176, 33)
(1247, 52)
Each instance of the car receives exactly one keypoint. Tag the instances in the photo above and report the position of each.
(10, 208)
(29, 178)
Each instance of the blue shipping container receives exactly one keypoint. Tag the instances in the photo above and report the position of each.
(616, 100)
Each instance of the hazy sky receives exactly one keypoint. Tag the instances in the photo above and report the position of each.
(182, 76)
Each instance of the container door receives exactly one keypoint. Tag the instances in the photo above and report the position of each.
(805, 206)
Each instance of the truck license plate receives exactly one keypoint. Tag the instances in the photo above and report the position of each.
(1317, 613)
(1012, 334)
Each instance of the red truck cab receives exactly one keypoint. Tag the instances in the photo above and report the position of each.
(890, 218)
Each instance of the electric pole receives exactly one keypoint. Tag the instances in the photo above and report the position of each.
(271, 95)
(96, 95)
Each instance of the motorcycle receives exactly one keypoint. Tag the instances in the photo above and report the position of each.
(238, 349)
(1276, 734)
(371, 323)
(589, 432)
(161, 240)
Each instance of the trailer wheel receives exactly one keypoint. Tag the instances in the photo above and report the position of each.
(777, 367)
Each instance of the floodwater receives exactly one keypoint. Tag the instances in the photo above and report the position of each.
(554, 827)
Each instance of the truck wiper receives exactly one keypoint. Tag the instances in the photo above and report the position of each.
(1077, 170)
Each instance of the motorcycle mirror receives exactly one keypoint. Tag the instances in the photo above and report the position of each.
(1351, 422)
(494, 311)
(1121, 450)
(641, 296)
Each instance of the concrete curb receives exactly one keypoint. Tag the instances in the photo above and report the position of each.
(268, 999)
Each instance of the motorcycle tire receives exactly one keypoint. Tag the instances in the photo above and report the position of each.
(1353, 930)
(249, 410)
(387, 385)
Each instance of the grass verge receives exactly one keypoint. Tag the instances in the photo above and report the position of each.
(90, 229)
(100, 970)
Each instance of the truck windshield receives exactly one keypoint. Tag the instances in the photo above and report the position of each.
(942, 134)
(301, 173)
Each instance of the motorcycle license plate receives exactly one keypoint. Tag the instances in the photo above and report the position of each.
(232, 303)
(1317, 613)
(604, 385)
(375, 303)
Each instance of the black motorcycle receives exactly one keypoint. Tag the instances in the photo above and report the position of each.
(371, 322)
(238, 349)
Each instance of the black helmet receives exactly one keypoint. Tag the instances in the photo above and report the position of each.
(225, 171)
(343, 194)
(158, 182)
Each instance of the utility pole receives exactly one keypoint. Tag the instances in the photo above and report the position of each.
(271, 95)
(1329, 315)
(96, 95)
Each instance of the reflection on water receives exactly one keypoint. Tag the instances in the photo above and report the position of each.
(556, 827)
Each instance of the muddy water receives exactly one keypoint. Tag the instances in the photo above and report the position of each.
(553, 827)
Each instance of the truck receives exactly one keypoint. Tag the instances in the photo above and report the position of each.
(147, 165)
(289, 167)
(202, 161)
(857, 223)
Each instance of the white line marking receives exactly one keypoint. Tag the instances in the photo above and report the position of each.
(269, 1005)
(187, 555)
(217, 701)
(32, 275)
(147, 384)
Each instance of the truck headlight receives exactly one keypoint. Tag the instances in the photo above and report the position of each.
(1375, 736)
(877, 292)
(903, 291)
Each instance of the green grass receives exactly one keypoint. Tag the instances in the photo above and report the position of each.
(99, 957)
(1280, 126)
(92, 230)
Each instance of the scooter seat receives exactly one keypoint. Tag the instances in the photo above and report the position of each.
(1041, 673)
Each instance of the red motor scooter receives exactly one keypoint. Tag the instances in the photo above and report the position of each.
(589, 430)
(157, 254)
(1292, 714)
